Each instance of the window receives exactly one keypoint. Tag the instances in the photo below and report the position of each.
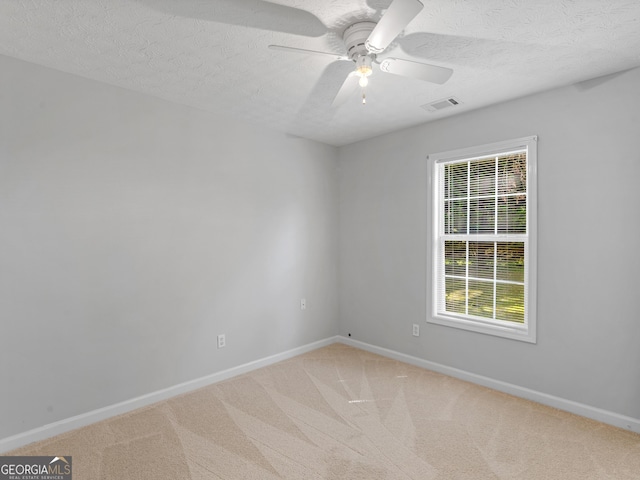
(483, 249)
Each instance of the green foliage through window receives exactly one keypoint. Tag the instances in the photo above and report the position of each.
(485, 200)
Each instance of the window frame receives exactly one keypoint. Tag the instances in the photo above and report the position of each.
(524, 332)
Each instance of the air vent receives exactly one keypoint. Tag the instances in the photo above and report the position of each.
(441, 104)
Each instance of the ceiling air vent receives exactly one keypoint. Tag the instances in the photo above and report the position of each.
(441, 104)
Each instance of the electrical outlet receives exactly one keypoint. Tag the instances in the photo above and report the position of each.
(222, 341)
(303, 304)
(416, 330)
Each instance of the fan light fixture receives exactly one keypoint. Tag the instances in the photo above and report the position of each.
(363, 69)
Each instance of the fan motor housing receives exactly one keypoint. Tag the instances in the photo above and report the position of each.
(355, 37)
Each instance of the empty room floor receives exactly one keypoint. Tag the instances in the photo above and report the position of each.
(342, 413)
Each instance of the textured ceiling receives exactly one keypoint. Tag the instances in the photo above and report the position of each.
(213, 55)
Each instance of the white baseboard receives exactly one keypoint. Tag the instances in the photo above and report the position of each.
(604, 416)
(82, 420)
(68, 424)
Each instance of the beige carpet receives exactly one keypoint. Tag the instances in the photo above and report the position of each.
(342, 413)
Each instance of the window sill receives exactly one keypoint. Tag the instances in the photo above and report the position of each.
(499, 329)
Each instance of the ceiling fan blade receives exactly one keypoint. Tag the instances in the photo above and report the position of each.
(260, 14)
(395, 19)
(283, 48)
(346, 90)
(421, 71)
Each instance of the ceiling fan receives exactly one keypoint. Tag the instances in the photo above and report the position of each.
(364, 41)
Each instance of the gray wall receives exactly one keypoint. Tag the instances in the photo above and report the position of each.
(588, 230)
(133, 231)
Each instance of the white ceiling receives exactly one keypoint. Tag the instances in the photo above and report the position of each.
(213, 55)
